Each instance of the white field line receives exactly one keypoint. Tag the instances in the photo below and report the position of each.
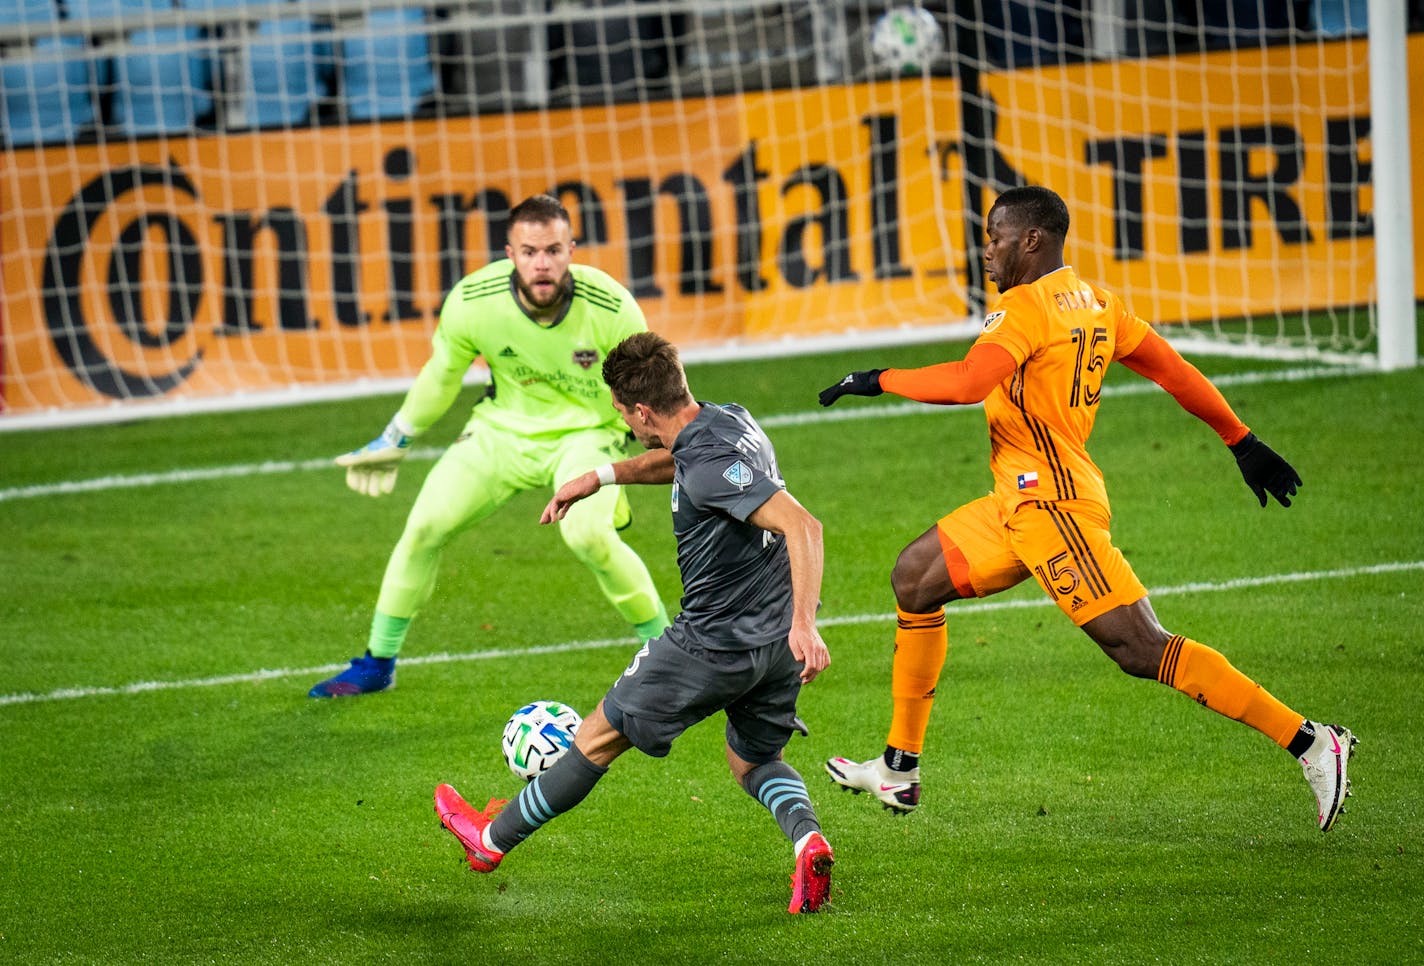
(770, 422)
(969, 607)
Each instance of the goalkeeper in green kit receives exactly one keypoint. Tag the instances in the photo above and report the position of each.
(543, 326)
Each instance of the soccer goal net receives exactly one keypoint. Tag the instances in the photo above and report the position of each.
(233, 202)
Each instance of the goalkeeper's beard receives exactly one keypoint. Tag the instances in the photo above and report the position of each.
(563, 290)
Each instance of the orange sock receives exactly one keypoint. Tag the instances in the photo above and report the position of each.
(1209, 679)
(921, 643)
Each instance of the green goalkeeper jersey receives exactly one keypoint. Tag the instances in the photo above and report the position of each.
(545, 380)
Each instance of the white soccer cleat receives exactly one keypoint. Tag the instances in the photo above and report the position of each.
(898, 791)
(1324, 765)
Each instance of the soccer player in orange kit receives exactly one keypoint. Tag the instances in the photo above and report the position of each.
(1038, 368)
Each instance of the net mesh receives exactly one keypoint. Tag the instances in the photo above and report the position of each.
(229, 199)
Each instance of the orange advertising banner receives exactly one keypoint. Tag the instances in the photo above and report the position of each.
(1209, 186)
(218, 264)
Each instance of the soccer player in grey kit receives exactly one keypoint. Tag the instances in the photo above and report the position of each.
(751, 560)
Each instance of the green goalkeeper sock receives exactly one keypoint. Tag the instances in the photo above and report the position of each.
(387, 635)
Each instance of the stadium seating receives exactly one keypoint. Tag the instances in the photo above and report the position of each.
(490, 69)
(611, 57)
(162, 76)
(723, 51)
(279, 70)
(1340, 18)
(386, 68)
(46, 91)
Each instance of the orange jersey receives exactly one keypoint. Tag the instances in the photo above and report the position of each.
(1062, 332)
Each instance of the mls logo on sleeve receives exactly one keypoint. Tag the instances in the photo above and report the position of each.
(737, 474)
(992, 320)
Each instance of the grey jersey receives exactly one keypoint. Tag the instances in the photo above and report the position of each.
(736, 577)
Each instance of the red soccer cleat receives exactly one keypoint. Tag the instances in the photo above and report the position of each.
(811, 882)
(468, 825)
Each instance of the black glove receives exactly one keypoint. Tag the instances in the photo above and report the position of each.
(1265, 471)
(863, 383)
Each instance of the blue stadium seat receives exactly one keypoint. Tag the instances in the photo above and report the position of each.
(43, 98)
(289, 75)
(385, 71)
(1341, 18)
(163, 80)
(285, 70)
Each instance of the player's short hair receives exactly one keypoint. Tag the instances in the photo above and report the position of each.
(1034, 206)
(539, 210)
(645, 368)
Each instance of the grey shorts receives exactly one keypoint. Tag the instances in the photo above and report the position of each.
(669, 687)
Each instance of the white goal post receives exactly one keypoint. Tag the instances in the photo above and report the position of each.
(1392, 170)
(231, 203)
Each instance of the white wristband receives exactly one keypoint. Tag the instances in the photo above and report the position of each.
(605, 475)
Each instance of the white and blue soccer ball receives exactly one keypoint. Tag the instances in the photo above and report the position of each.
(906, 39)
(537, 735)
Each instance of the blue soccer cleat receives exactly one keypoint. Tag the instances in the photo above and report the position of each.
(366, 675)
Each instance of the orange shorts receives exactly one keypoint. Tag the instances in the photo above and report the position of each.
(1064, 544)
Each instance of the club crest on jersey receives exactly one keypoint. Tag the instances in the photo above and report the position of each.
(586, 357)
(737, 474)
(1028, 481)
(992, 320)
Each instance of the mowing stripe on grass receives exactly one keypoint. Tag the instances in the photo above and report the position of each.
(809, 417)
(973, 607)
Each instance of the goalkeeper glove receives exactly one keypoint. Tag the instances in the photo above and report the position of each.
(1265, 471)
(372, 468)
(863, 383)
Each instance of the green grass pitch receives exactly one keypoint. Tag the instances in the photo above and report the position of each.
(168, 793)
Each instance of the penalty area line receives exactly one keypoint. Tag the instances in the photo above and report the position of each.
(967, 607)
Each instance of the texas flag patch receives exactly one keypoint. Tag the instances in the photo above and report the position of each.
(1028, 481)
